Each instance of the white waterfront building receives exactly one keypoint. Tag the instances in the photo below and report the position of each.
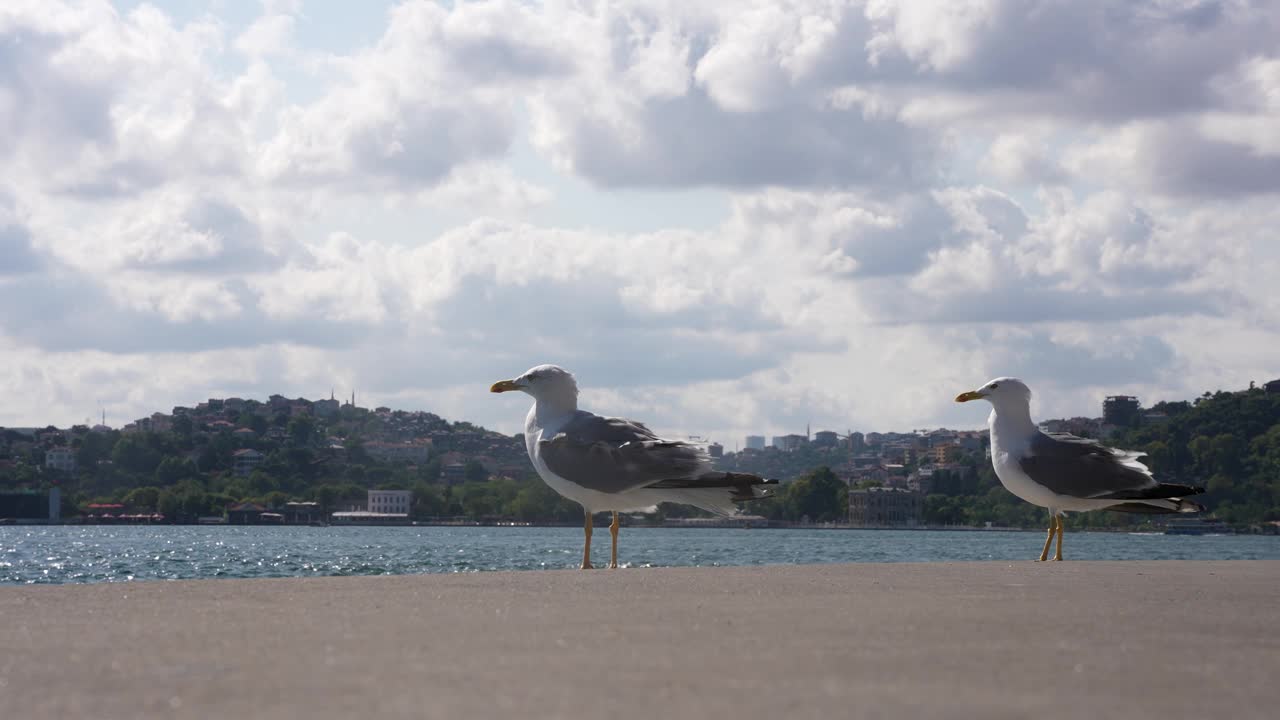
(60, 458)
(391, 502)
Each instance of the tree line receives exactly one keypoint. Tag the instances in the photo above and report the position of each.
(1228, 442)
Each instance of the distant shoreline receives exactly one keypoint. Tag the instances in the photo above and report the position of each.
(701, 526)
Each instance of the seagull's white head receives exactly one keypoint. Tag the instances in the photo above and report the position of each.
(1003, 393)
(543, 381)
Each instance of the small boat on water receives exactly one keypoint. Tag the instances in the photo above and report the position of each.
(1196, 526)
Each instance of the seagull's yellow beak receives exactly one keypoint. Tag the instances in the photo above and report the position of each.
(504, 386)
(967, 396)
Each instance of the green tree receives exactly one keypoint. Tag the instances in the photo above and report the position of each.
(819, 496)
(477, 500)
(430, 472)
(275, 499)
(143, 498)
(253, 421)
(174, 468)
(134, 454)
(475, 472)
(428, 501)
(94, 447)
(183, 428)
(301, 429)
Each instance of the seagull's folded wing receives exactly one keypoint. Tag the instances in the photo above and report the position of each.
(1083, 468)
(613, 455)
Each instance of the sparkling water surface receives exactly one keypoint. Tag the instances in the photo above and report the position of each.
(70, 553)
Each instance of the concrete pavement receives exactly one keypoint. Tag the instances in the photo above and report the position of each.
(991, 640)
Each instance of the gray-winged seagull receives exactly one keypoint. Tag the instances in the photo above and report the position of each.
(608, 463)
(1065, 473)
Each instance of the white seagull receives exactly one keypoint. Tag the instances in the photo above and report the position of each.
(1065, 473)
(608, 463)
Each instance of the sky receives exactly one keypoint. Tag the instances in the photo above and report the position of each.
(726, 218)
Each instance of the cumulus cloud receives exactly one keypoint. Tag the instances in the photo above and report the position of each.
(920, 196)
(433, 94)
(99, 104)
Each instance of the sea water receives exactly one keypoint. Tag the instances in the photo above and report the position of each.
(99, 553)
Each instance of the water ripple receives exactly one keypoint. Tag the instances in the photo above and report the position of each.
(80, 554)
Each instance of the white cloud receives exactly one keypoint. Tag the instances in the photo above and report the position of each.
(270, 34)
(921, 196)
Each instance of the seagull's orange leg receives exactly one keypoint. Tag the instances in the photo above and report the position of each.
(613, 550)
(1053, 527)
(586, 546)
(1062, 530)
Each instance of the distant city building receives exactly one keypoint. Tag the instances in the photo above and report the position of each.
(325, 408)
(826, 438)
(754, 442)
(417, 452)
(390, 502)
(943, 454)
(897, 453)
(252, 514)
(1121, 410)
(885, 507)
(865, 460)
(949, 480)
(788, 443)
(1083, 427)
(219, 426)
(302, 512)
(60, 458)
(245, 513)
(856, 441)
(244, 461)
(715, 450)
(453, 473)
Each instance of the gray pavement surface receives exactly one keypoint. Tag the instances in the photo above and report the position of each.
(989, 640)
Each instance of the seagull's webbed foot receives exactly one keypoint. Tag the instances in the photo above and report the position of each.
(613, 549)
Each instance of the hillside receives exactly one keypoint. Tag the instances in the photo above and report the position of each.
(199, 460)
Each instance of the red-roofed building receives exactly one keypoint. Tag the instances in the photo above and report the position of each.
(245, 513)
(244, 461)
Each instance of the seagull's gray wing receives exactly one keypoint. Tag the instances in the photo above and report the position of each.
(613, 455)
(1083, 468)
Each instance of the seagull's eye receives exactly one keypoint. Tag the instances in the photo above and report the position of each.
(993, 386)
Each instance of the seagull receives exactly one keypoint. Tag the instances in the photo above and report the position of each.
(1065, 473)
(609, 463)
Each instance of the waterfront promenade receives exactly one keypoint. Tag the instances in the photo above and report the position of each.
(994, 640)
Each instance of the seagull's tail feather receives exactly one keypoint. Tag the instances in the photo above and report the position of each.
(1155, 492)
(717, 491)
(1158, 506)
